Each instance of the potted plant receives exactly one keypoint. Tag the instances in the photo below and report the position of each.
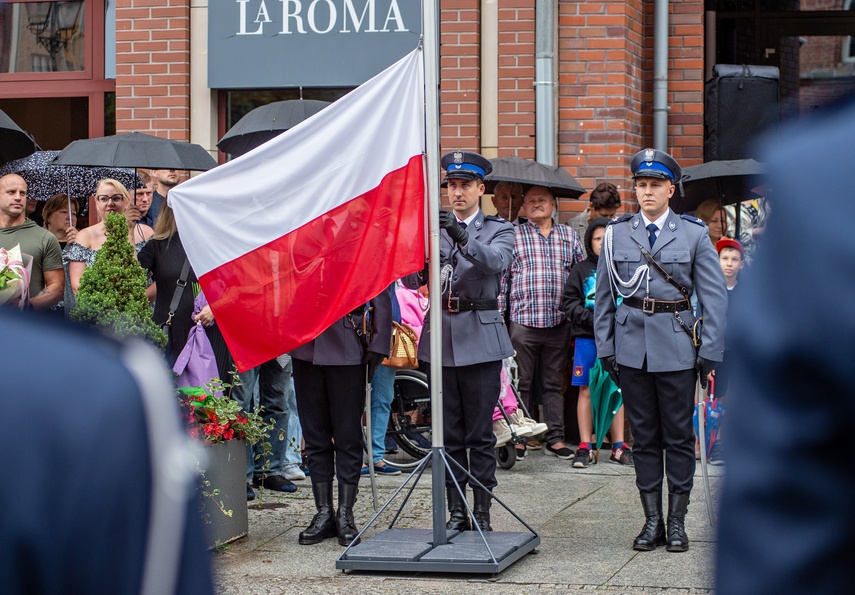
(218, 423)
(112, 291)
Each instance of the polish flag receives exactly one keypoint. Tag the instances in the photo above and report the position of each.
(295, 234)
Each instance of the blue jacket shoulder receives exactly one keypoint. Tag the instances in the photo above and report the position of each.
(620, 219)
(694, 220)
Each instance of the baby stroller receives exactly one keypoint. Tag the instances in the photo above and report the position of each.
(511, 421)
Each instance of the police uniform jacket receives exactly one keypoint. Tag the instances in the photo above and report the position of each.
(339, 345)
(684, 250)
(474, 336)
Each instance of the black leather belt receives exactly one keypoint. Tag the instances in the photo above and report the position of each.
(456, 304)
(649, 306)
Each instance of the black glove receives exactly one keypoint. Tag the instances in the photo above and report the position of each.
(372, 360)
(426, 272)
(705, 368)
(609, 364)
(449, 223)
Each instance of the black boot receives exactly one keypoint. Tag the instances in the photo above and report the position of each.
(459, 520)
(344, 517)
(653, 533)
(483, 500)
(678, 541)
(323, 523)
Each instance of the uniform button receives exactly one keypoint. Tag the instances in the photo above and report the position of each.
(455, 277)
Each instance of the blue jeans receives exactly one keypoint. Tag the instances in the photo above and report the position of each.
(382, 393)
(269, 382)
(294, 436)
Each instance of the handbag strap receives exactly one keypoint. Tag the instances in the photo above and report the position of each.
(180, 284)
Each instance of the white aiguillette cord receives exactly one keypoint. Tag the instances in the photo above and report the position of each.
(641, 275)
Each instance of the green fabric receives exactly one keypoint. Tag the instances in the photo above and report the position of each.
(37, 242)
(606, 399)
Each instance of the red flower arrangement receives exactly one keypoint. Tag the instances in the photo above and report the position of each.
(215, 418)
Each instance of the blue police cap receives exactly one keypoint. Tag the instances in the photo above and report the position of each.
(465, 165)
(652, 163)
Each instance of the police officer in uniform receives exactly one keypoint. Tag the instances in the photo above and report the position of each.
(475, 251)
(651, 264)
(329, 379)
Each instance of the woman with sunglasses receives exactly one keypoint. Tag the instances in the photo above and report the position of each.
(110, 197)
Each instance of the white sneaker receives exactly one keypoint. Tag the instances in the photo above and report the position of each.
(502, 432)
(536, 428)
(292, 472)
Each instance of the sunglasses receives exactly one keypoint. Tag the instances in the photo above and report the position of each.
(104, 199)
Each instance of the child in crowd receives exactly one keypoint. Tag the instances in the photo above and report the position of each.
(731, 259)
(578, 304)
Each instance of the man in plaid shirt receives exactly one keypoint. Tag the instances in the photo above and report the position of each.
(532, 288)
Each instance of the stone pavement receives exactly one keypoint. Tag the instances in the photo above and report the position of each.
(587, 519)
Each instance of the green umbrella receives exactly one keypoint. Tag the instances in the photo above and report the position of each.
(606, 399)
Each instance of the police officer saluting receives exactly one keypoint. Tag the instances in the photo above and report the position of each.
(475, 251)
(655, 260)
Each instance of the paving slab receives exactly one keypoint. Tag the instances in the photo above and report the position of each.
(586, 518)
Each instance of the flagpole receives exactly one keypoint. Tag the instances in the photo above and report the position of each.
(430, 52)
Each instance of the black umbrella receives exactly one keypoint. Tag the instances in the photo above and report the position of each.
(267, 122)
(14, 142)
(44, 180)
(728, 182)
(136, 150)
(532, 173)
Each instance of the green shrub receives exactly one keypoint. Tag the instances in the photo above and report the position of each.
(112, 296)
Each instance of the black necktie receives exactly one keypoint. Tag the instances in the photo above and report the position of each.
(462, 224)
(651, 233)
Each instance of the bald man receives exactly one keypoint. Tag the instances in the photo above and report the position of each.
(47, 277)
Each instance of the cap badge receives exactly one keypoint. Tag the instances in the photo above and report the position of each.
(649, 155)
(458, 157)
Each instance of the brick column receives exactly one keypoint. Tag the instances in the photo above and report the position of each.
(600, 91)
(153, 67)
(459, 75)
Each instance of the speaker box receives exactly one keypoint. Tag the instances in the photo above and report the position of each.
(740, 102)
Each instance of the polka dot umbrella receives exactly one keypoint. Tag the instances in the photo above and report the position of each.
(44, 180)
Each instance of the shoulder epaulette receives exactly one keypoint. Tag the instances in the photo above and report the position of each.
(694, 220)
(620, 219)
(495, 218)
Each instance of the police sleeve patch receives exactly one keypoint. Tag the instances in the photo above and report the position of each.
(694, 220)
(620, 219)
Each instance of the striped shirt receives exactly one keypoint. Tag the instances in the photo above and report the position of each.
(534, 283)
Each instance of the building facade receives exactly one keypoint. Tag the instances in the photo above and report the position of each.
(188, 69)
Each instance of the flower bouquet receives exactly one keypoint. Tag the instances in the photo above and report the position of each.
(215, 418)
(14, 276)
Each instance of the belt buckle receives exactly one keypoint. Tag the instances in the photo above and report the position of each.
(454, 304)
(648, 305)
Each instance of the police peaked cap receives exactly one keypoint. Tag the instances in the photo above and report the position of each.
(465, 165)
(652, 163)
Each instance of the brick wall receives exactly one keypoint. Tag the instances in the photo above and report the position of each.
(459, 64)
(600, 96)
(153, 67)
(516, 79)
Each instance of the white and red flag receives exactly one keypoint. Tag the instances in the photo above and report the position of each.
(295, 234)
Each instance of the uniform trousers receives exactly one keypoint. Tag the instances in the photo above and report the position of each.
(659, 406)
(469, 395)
(330, 401)
(542, 352)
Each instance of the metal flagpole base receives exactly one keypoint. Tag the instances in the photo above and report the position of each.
(419, 550)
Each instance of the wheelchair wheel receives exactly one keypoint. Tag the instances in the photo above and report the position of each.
(410, 418)
(506, 456)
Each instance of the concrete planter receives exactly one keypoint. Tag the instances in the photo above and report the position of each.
(224, 498)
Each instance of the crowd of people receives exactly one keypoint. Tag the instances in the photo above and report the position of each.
(623, 290)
